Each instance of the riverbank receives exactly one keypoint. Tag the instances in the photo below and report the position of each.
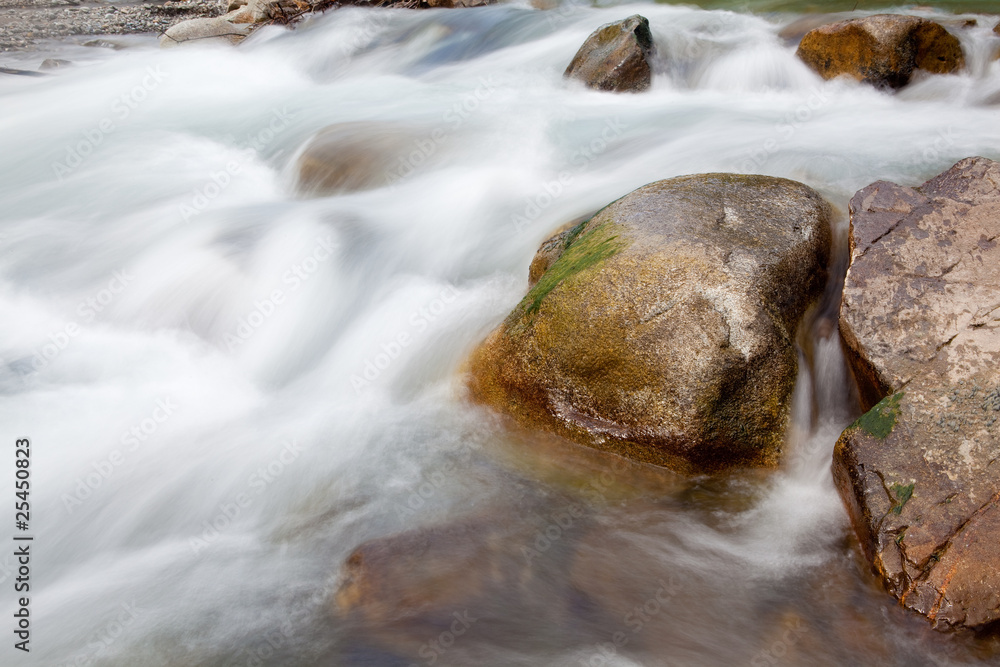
(26, 23)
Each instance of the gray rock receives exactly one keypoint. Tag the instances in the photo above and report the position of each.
(202, 31)
(54, 63)
(616, 57)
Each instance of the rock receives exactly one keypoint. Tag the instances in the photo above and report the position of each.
(259, 12)
(497, 567)
(547, 254)
(401, 575)
(616, 57)
(21, 72)
(283, 11)
(664, 331)
(202, 31)
(349, 157)
(104, 44)
(53, 63)
(242, 15)
(920, 321)
(242, 18)
(882, 50)
(551, 249)
(450, 4)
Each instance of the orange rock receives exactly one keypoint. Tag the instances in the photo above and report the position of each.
(882, 50)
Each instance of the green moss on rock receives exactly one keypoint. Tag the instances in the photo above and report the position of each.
(903, 493)
(583, 250)
(879, 421)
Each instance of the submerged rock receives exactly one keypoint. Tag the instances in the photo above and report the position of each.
(485, 574)
(663, 328)
(920, 320)
(883, 50)
(348, 157)
(616, 57)
(54, 63)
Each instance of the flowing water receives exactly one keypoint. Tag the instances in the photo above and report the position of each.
(230, 387)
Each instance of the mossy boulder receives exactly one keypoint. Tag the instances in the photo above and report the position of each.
(920, 321)
(883, 50)
(663, 328)
(616, 57)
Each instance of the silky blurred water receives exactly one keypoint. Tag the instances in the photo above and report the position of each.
(213, 373)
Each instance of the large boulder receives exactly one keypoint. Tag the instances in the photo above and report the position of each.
(616, 57)
(920, 319)
(882, 50)
(664, 330)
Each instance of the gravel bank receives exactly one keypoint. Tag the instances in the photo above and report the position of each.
(25, 22)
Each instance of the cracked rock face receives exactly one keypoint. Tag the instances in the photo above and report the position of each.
(882, 50)
(616, 57)
(663, 328)
(920, 320)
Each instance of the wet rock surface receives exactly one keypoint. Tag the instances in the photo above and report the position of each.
(349, 157)
(883, 50)
(920, 320)
(206, 30)
(663, 328)
(616, 57)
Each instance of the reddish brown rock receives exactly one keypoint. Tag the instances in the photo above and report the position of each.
(920, 320)
(883, 50)
(616, 57)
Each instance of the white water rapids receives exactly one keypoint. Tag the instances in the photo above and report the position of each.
(228, 388)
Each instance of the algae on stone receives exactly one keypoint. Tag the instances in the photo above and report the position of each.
(878, 421)
(582, 252)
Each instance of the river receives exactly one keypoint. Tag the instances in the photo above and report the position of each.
(229, 387)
